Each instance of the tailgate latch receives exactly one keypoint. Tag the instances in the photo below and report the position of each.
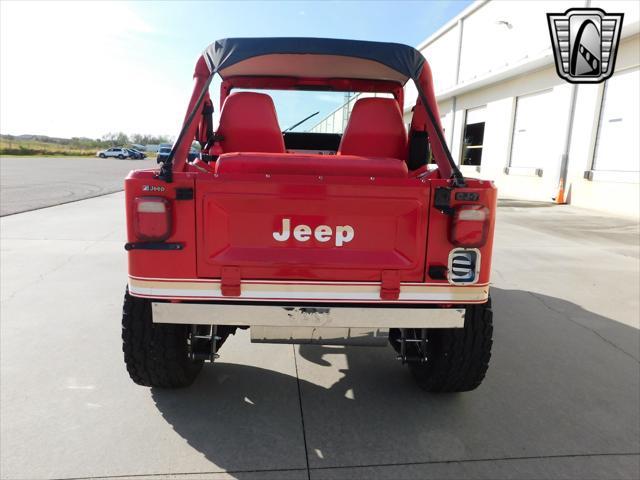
(230, 281)
(390, 288)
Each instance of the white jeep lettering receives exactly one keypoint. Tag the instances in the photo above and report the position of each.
(302, 233)
(344, 234)
(322, 233)
(284, 235)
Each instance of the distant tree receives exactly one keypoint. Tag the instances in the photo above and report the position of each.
(145, 139)
(113, 139)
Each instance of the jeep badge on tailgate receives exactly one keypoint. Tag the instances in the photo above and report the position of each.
(322, 233)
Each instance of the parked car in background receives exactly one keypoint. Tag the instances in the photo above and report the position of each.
(163, 154)
(136, 154)
(193, 154)
(118, 152)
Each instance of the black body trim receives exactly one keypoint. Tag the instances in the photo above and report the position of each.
(312, 141)
(152, 246)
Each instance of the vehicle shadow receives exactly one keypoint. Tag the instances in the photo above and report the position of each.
(562, 381)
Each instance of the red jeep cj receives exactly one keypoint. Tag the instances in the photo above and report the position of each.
(366, 238)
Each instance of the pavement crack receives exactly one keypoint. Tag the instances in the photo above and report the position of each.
(477, 460)
(304, 432)
(41, 276)
(178, 474)
(499, 273)
(368, 465)
(595, 332)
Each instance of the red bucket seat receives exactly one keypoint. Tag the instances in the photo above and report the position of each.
(248, 123)
(375, 129)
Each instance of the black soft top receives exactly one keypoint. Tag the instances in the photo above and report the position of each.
(313, 57)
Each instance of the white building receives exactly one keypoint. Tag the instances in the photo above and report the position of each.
(509, 117)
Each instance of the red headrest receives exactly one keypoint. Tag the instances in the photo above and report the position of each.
(375, 129)
(248, 123)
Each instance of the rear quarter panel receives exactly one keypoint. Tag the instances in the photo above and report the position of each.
(162, 263)
(439, 245)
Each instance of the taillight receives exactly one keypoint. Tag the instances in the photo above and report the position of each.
(152, 220)
(470, 225)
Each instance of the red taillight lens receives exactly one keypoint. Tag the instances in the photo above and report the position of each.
(152, 218)
(470, 226)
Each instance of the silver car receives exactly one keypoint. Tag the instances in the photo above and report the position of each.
(118, 152)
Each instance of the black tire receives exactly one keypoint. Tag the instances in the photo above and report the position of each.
(457, 358)
(156, 355)
(121, 157)
(102, 155)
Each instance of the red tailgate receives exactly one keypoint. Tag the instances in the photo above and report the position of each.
(348, 229)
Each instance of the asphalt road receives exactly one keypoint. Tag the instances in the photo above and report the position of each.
(28, 183)
(561, 399)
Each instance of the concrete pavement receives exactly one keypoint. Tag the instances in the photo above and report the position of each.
(27, 183)
(561, 398)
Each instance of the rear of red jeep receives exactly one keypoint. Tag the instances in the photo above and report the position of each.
(369, 237)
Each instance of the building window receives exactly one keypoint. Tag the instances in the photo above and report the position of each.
(473, 138)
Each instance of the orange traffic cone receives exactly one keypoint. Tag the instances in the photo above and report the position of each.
(560, 196)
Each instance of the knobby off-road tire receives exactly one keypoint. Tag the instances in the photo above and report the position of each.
(156, 355)
(457, 358)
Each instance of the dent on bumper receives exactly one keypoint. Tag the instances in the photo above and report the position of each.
(329, 317)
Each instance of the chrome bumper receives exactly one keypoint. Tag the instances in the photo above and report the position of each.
(315, 317)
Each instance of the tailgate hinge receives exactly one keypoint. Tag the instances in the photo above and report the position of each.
(390, 287)
(230, 281)
(184, 193)
(442, 200)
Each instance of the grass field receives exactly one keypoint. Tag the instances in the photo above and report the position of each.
(34, 147)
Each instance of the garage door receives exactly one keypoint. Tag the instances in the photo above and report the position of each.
(617, 147)
(533, 133)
